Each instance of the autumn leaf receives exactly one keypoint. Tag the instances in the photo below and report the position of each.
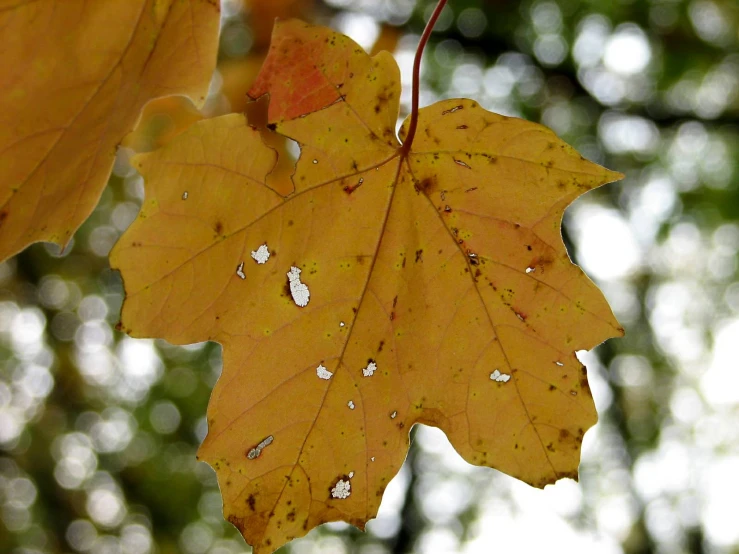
(392, 286)
(74, 78)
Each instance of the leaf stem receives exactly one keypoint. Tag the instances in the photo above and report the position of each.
(406, 147)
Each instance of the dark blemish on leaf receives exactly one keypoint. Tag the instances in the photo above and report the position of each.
(552, 387)
(377, 108)
(403, 264)
(392, 316)
(461, 126)
(3, 216)
(290, 223)
(550, 447)
(447, 208)
(528, 247)
(290, 516)
(218, 227)
(271, 126)
(470, 189)
(427, 185)
(237, 522)
(564, 434)
(379, 348)
(286, 288)
(419, 257)
(252, 502)
(395, 301)
(351, 188)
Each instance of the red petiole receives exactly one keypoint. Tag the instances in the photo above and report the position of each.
(405, 148)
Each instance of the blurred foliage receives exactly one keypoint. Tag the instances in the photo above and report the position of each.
(98, 431)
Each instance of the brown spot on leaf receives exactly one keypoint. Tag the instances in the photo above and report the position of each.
(237, 522)
(427, 185)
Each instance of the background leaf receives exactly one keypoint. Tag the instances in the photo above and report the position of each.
(81, 74)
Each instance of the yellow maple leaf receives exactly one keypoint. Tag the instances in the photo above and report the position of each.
(393, 286)
(73, 80)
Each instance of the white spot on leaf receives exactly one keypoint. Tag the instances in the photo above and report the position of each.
(184, 195)
(372, 459)
(530, 269)
(350, 404)
(394, 415)
(560, 364)
(460, 162)
(323, 373)
(342, 489)
(257, 450)
(240, 271)
(370, 369)
(315, 161)
(341, 324)
(298, 289)
(499, 377)
(351, 474)
(261, 254)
